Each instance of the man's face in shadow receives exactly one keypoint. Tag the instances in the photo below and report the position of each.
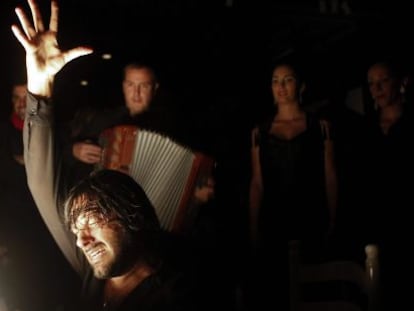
(19, 100)
(139, 87)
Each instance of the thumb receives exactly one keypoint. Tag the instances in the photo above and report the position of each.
(75, 53)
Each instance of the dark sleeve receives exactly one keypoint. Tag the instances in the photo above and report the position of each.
(87, 125)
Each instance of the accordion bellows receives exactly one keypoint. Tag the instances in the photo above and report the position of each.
(167, 171)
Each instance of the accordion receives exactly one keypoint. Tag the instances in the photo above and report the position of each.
(167, 171)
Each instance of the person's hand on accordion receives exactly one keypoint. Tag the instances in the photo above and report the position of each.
(87, 152)
(44, 59)
(205, 192)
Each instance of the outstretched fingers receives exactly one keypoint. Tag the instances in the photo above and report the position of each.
(24, 21)
(21, 37)
(37, 17)
(53, 25)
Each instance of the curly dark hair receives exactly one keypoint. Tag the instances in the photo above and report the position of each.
(112, 195)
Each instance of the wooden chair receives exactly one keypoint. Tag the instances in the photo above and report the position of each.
(333, 285)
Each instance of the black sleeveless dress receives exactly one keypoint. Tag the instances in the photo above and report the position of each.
(294, 203)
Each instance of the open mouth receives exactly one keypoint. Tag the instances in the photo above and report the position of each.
(95, 255)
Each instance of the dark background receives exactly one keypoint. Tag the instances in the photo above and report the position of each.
(215, 55)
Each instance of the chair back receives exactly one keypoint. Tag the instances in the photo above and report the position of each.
(340, 285)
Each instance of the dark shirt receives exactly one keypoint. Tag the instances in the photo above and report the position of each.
(294, 184)
(171, 287)
(391, 169)
(391, 166)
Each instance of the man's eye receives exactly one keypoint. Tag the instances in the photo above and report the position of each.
(90, 220)
(94, 220)
(149, 85)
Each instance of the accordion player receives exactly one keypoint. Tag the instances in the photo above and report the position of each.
(168, 172)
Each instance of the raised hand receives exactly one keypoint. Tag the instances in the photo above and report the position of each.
(44, 59)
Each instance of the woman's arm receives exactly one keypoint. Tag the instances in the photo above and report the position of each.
(331, 180)
(256, 188)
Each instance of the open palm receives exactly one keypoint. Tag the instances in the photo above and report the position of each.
(44, 59)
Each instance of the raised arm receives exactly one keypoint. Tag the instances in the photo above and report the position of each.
(44, 60)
